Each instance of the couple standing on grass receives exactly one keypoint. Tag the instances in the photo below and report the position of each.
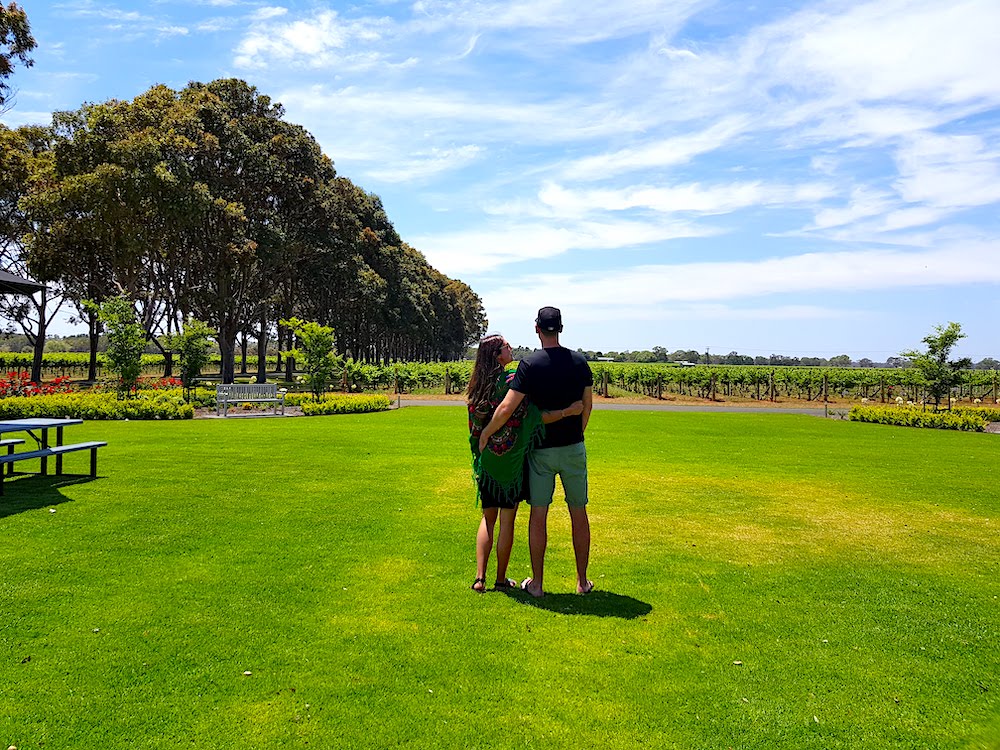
(525, 428)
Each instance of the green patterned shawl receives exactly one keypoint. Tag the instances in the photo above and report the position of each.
(502, 463)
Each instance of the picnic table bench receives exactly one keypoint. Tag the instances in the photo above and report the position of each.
(44, 450)
(247, 393)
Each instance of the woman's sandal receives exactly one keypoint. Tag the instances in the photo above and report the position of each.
(506, 583)
(481, 582)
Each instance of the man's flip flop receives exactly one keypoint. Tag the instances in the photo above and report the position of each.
(524, 587)
(478, 582)
(506, 583)
(586, 588)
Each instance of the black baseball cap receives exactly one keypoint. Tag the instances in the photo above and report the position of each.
(549, 319)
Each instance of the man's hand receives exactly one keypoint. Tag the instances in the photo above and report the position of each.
(500, 417)
(573, 409)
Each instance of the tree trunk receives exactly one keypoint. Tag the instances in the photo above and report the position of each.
(94, 333)
(262, 350)
(289, 360)
(227, 348)
(243, 353)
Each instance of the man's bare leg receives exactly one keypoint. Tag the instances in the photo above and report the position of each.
(581, 547)
(538, 539)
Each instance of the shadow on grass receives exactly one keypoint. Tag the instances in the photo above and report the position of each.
(596, 604)
(32, 491)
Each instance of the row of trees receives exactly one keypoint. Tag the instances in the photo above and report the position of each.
(206, 203)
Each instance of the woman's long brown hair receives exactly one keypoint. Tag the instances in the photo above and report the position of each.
(487, 368)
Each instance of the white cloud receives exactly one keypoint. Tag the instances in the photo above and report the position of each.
(948, 171)
(482, 250)
(320, 41)
(266, 13)
(693, 198)
(726, 281)
(667, 152)
(426, 164)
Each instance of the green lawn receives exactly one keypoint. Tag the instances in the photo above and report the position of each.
(766, 581)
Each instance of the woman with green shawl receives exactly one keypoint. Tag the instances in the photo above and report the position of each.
(501, 470)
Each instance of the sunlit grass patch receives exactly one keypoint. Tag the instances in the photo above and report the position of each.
(763, 581)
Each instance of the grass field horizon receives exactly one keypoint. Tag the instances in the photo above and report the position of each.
(763, 581)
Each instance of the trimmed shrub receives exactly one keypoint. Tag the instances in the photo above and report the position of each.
(338, 403)
(990, 414)
(97, 406)
(911, 417)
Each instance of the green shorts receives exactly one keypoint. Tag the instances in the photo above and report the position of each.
(570, 463)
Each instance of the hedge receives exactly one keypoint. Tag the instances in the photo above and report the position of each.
(97, 406)
(342, 403)
(913, 417)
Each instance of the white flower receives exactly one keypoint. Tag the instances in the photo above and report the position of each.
(978, 401)
(909, 403)
(899, 399)
(864, 401)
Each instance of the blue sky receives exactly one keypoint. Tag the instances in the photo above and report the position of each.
(807, 178)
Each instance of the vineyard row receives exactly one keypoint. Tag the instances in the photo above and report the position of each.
(653, 380)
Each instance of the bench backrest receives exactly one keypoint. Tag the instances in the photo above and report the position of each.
(246, 390)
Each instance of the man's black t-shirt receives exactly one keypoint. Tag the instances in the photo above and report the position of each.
(554, 378)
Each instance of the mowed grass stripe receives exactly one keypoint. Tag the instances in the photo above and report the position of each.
(851, 569)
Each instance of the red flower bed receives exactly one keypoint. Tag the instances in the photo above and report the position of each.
(21, 384)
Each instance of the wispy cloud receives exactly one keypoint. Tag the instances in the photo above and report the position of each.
(842, 272)
(487, 249)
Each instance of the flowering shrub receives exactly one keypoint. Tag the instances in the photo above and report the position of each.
(990, 414)
(97, 406)
(21, 384)
(910, 417)
(337, 403)
(158, 384)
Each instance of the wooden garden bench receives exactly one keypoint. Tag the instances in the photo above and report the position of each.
(247, 393)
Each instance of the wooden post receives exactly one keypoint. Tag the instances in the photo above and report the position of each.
(447, 383)
(605, 379)
(881, 388)
(826, 388)
(659, 387)
(770, 386)
(713, 384)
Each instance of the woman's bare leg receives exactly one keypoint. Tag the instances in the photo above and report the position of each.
(484, 543)
(505, 542)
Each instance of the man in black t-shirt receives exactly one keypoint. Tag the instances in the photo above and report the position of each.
(553, 379)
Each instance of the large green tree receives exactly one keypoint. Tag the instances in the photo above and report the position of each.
(16, 42)
(206, 202)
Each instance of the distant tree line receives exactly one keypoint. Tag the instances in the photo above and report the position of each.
(660, 354)
(205, 202)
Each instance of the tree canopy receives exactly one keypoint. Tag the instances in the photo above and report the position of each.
(206, 202)
(16, 42)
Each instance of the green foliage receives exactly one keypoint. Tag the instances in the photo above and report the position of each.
(192, 344)
(342, 403)
(989, 413)
(16, 42)
(314, 353)
(146, 405)
(126, 340)
(940, 374)
(907, 416)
